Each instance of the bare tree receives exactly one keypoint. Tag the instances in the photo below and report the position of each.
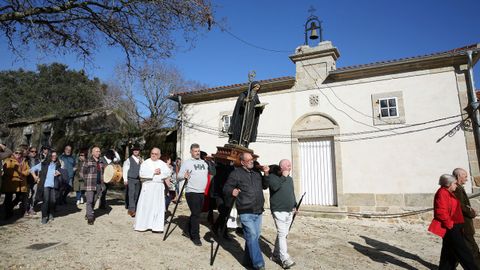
(139, 27)
(149, 88)
(116, 98)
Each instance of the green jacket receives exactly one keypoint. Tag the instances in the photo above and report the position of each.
(467, 211)
(282, 195)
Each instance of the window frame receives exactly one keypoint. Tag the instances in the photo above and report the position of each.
(388, 107)
(376, 108)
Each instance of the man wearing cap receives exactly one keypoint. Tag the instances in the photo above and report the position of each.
(131, 170)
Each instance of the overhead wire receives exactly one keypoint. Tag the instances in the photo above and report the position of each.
(285, 138)
(348, 105)
(289, 139)
(224, 29)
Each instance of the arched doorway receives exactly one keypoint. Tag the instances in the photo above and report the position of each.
(315, 155)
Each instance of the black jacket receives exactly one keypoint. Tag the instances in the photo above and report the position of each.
(251, 185)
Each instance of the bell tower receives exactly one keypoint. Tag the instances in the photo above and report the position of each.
(313, 64)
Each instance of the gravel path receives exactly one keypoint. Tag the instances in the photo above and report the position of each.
(314, 243)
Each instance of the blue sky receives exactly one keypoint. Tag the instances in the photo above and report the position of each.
(363, 31)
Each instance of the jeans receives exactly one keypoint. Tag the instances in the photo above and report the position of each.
(195, 203)
(282, 222)
(252, 224)
(80, 194)
(48, 205)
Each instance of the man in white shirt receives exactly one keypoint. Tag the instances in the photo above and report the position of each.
(131, 179)
(196, 171)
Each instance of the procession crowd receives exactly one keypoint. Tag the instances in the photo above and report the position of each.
(44, 180)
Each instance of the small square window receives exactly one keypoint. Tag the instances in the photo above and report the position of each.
(226, 123)
(388, 107)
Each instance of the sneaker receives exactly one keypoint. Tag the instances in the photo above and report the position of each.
(81, 200)
(90, 221)
(197, 242)
(44, 220)
(78, 202)
(276, 259)
(287, 264)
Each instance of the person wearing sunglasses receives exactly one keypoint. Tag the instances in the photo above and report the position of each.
(15, 172)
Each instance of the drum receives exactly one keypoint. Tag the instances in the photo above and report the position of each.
(112, 173)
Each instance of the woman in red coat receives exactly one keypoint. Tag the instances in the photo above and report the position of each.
(448, 224)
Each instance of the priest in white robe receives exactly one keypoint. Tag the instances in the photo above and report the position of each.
(154, 174)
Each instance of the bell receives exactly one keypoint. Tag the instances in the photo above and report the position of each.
(313, 34)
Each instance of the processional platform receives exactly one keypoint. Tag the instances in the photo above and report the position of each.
(229, 154)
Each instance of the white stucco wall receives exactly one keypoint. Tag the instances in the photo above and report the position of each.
(408, 163)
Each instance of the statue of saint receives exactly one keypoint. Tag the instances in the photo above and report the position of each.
(244, 123)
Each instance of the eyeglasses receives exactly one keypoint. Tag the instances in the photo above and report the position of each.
(17, 153)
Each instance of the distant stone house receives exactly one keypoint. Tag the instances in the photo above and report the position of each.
(105, 128)
(360, 138)
(81, 130)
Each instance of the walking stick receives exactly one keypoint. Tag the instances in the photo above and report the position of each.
(175, 209)
(221, 232)
(297, 207)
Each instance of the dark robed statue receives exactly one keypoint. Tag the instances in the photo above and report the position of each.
(244, 123)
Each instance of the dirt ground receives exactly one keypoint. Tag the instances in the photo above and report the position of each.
(314, 243)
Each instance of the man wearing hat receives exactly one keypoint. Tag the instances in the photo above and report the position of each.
(131, 170)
